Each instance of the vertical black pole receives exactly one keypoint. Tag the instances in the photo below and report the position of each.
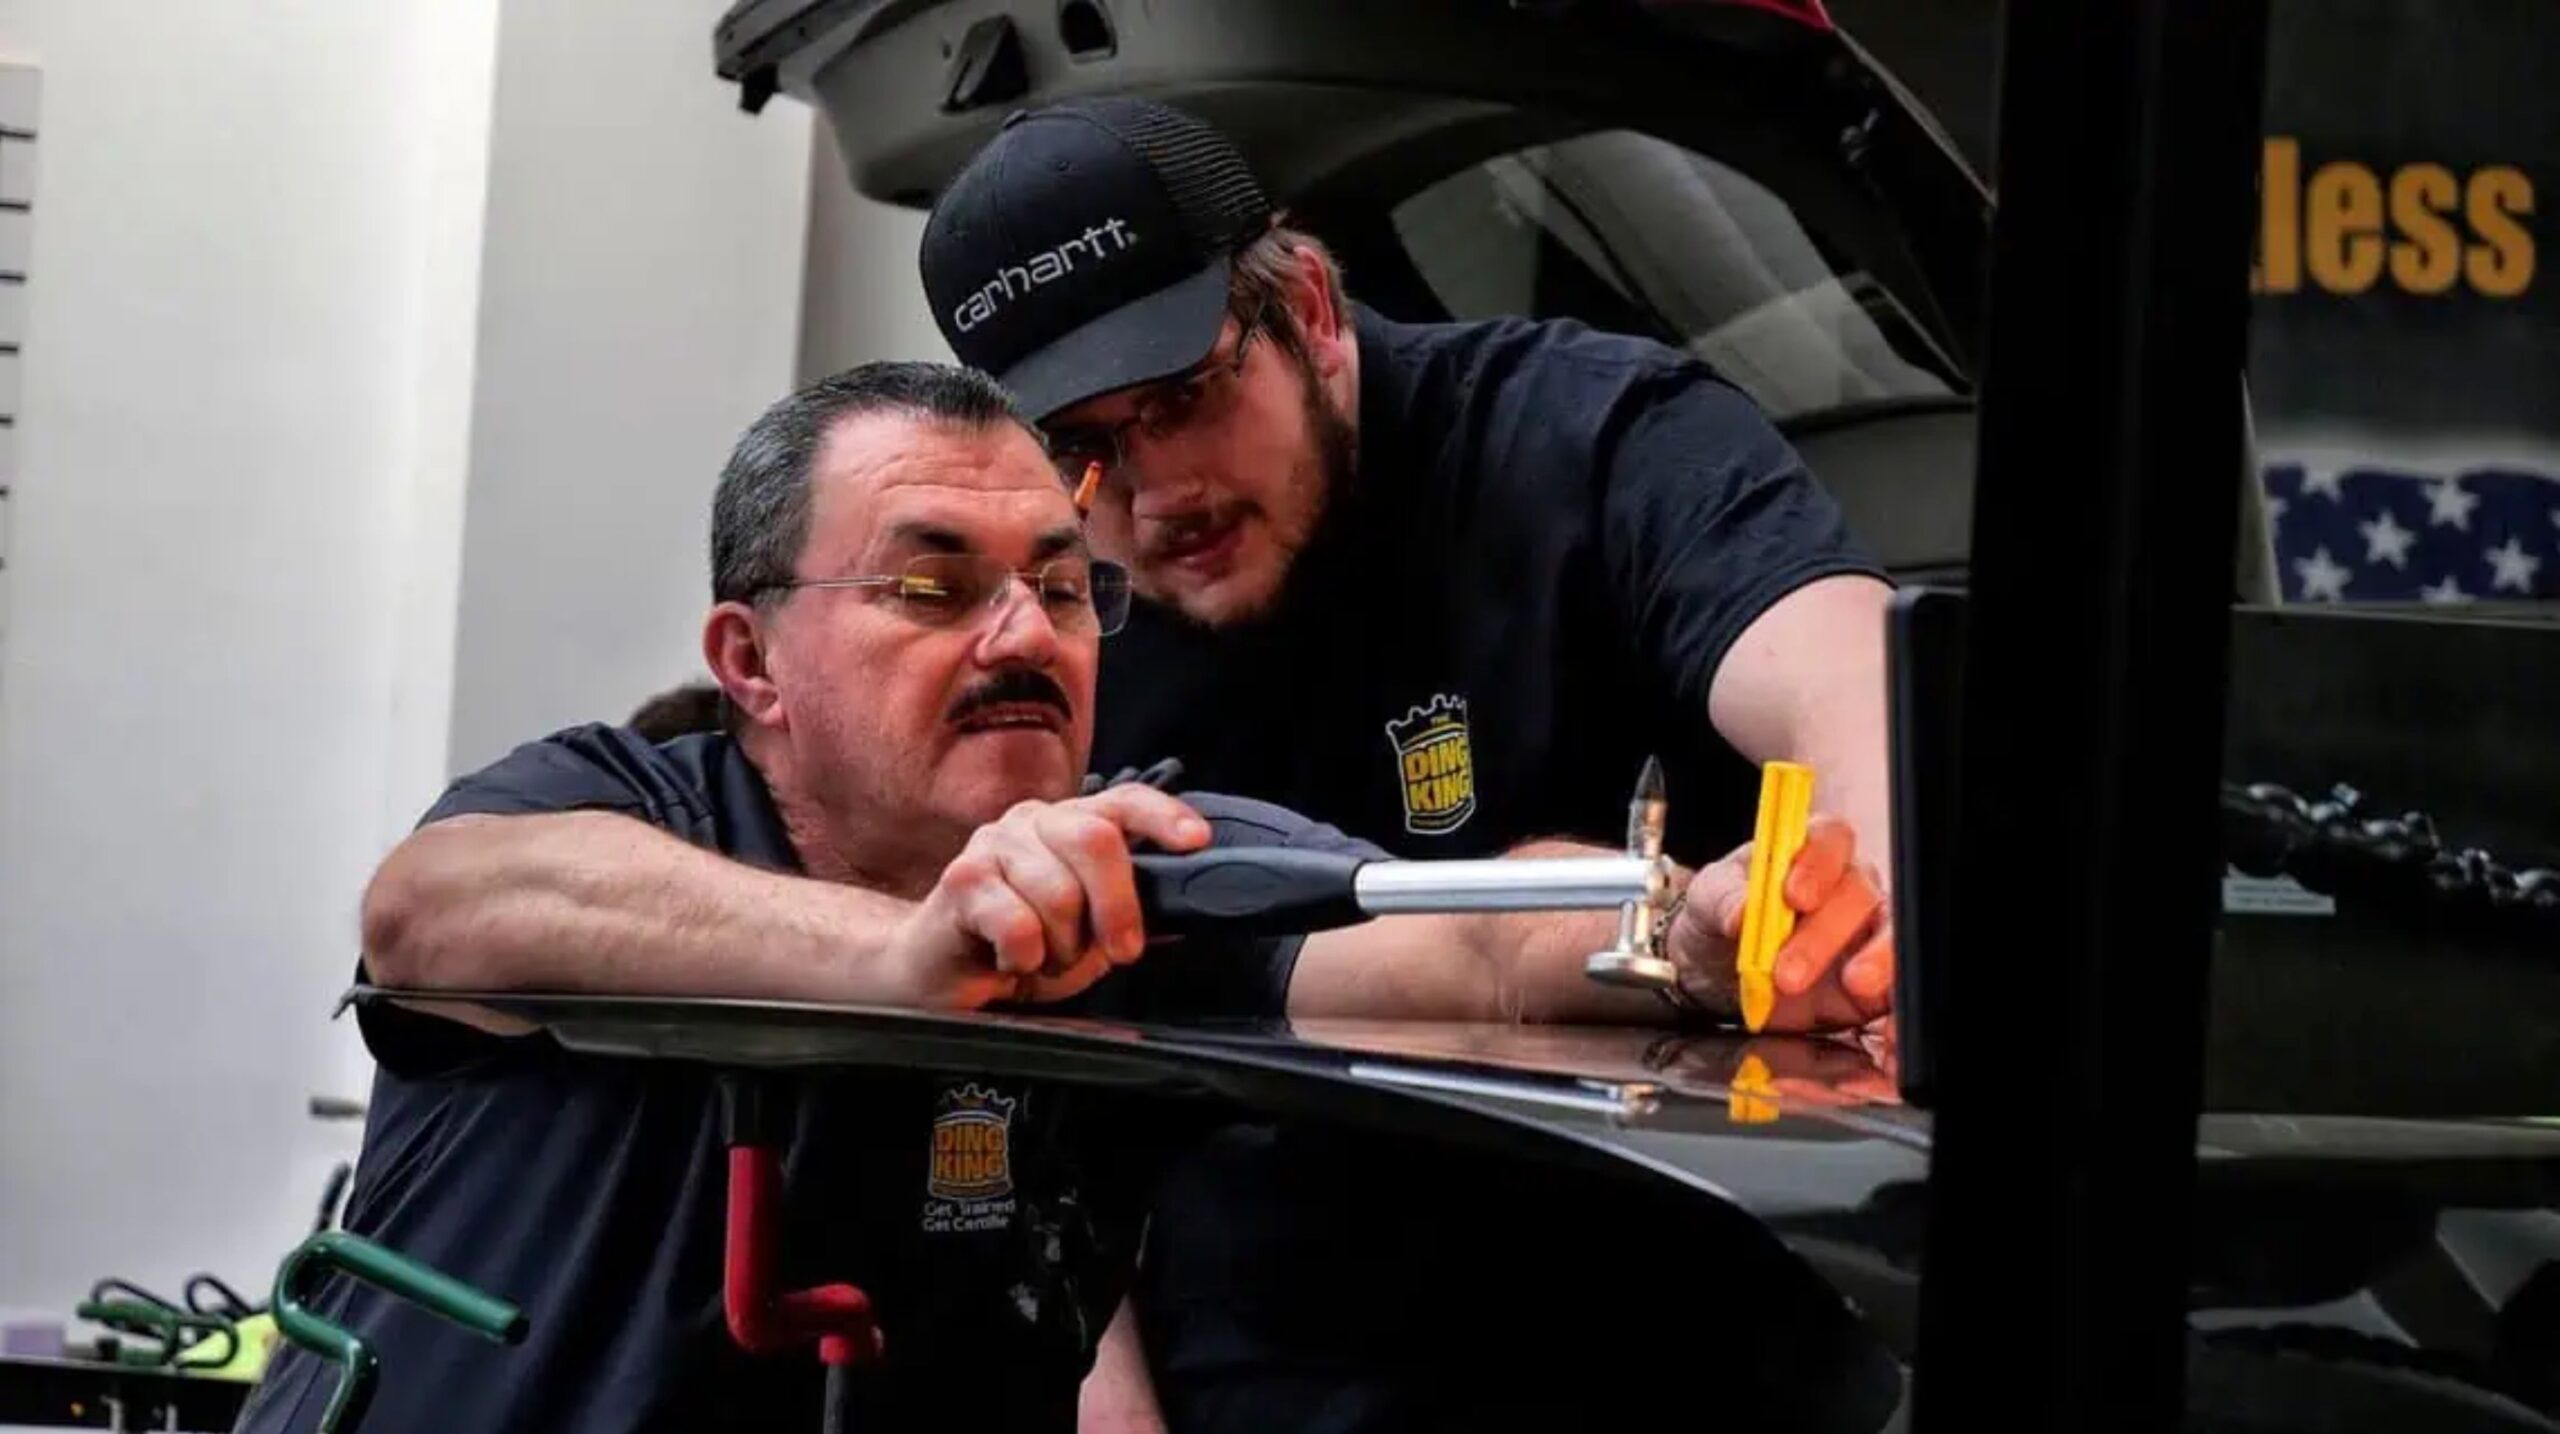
(2053, 1292)
(837, 1416)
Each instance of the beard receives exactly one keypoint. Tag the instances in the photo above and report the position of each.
(1337, 440)
(1325, 484)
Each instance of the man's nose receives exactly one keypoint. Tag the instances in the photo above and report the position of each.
(1166, 497)
(1020, 630)
(1164, 479)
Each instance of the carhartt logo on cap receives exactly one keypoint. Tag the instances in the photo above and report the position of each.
(1046, 267)
(1088, 248)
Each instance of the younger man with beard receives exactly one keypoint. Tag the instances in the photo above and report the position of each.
(1446, 585)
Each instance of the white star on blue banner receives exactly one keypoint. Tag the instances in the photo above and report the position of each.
(2379, 534)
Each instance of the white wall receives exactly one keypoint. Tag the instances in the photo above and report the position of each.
(864, 298)
(379, 361)
(640, 305)
(247, 366)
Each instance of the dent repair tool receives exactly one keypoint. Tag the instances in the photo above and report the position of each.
(1633, 961)
(1276, 890)
(1786, 805)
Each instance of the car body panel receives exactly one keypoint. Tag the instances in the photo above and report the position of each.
(2296, 1210)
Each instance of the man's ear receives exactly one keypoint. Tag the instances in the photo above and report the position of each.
(733, 648)
(1320, 319)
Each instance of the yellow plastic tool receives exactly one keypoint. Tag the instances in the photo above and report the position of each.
(1786, 804)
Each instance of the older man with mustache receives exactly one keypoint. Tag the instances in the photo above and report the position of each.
(905, 630)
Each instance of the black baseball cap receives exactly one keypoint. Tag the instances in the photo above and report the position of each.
(1087, 247)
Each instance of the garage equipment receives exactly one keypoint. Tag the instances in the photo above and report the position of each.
(837, 1318)
(169, 1336)
(358, 1365)
(1632, 962)
(1288, 890)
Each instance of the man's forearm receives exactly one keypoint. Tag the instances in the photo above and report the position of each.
(1844, 743)
(1119, 1396)
(591, 901)
(1806, 683)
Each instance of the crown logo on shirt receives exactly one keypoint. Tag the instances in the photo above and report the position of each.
(972, 1145)
(1435, 764)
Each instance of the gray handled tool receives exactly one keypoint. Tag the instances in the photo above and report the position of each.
(1287, 890)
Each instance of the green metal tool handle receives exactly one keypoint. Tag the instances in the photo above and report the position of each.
(160, 1322)
(431, 1290)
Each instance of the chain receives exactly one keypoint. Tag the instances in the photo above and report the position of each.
(2335, 847)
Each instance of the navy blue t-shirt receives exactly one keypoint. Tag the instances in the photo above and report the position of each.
(1553, 537)
(591, 1190)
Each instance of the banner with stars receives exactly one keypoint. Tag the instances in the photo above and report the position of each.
(2378, 532)
(2405, 331)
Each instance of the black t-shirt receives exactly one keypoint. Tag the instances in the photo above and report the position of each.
(590, 1190)
(1554, 536)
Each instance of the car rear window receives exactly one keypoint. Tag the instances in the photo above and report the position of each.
(1633, 233)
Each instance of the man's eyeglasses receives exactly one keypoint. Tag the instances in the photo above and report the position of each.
(954, 589)
(1163, 412)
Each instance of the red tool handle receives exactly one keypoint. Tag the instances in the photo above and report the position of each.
(764, 1320)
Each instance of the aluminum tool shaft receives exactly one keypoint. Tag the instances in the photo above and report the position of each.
(1532, 884)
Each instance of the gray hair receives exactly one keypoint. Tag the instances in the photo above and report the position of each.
(760, 514)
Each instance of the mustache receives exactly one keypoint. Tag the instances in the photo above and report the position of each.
(1166, 536)
(1014, 684)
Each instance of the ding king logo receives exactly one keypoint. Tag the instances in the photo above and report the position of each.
(1435, 768)
(969, 1181)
